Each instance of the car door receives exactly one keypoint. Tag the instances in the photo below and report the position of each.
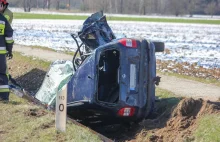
(82, 85)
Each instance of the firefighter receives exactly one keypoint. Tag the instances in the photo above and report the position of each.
(6, 44)
(5, 11)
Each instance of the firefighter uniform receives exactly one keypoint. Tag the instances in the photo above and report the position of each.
(6, 44)
(8, 15)
(5, 11)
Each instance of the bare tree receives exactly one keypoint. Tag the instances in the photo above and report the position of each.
(37, 4)
(58, 4)
(142, 9)
(211, 8)
(121, 6)
(68, 5)
(116, 6)
(27, 5)
(178, 7)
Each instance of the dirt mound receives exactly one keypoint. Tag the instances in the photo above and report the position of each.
(183, 120)
(36, 112)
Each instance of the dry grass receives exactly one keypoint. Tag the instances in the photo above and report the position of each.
(26, 122)
(22, 121)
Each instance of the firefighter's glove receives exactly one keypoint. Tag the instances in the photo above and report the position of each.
(9, 55)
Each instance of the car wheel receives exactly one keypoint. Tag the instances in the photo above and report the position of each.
(159, 46)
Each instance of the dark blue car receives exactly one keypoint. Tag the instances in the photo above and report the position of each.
(115, 83)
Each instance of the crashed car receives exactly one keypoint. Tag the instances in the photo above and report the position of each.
(116, 82)
(113, 79)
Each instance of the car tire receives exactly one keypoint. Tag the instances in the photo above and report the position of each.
(159, 46)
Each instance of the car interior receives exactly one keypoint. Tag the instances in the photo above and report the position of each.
(108, 82)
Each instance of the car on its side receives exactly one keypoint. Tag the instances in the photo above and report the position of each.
(115, 83)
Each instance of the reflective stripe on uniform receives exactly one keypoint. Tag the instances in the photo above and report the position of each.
(3, 50)
(7, 17)
(2, 27)
(9, 39)
(4, 88)
(2, 22)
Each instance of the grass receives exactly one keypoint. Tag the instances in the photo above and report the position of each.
(32, 61)
(17, 124)
(208, 129)
(207, 81)
(168, 99)
(79, 17)
(50, 49)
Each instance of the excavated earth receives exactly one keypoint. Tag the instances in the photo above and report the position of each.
(183, 120)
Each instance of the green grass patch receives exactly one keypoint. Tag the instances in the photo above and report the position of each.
(50, 49)
(142, 19)
(32, 61)
(19, 124)
(48, 16)
(208, 129)
(168, 100)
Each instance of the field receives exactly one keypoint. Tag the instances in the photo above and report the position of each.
(114, 18)
(188, 46)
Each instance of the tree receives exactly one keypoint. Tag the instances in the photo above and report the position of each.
(211, 8)
(178, 7)
(68, 5)
(46, 4)
(142, 9)
(27, 5)
(58, 5)
(121, 6)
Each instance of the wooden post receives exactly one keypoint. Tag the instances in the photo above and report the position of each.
(61, 109)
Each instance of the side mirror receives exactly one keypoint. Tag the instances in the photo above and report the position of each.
(159, 46)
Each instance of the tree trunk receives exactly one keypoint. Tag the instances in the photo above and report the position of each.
(58, 5)
(44, 4)
(116, 6)
(48, 4)
(37, 4)
(27, 5)
(69, 5)
(121, 6)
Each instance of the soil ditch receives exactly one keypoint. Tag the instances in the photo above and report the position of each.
(181, 123)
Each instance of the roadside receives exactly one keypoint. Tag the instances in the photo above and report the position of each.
(179, 86)
(21, 115)
(185, 122)
(24, 121)
(190, 88)
(43, 54)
